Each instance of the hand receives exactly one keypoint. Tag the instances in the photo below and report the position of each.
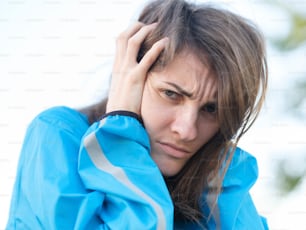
(129, 76)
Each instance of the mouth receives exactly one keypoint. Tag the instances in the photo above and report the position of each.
(173, 150)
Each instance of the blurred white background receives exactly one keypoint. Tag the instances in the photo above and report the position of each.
(59, 52)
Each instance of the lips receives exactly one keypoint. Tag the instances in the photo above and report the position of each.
(174, 150)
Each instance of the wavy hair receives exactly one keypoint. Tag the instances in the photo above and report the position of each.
(234, 49)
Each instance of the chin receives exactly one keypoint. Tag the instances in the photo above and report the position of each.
(169, 170)
(168, 166)
(167, 173)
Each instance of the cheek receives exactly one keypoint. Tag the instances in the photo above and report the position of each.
(153, 112)
(145, 104)
(207, 131)
(148, 110)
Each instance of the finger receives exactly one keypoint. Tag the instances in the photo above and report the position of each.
(137, 39)
(151, 56)
(122, 39)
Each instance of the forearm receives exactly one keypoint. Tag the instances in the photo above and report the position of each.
(115, 160)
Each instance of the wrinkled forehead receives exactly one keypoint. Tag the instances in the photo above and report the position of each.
(193, 75)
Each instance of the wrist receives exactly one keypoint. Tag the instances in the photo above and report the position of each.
(123, 113)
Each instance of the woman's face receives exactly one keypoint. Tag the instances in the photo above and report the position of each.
(179, 110)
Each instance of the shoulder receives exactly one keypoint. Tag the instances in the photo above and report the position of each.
(61, 113)
(242, 171)
(236, 207)
(240, 157)
(61, 117)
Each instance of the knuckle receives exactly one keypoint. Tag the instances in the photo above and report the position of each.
(122, 37)
(150, 60)
(133, 41)
(139, 24)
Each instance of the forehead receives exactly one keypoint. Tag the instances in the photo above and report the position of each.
(191, 74)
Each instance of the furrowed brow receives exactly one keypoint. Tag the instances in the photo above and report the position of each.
(179, 89)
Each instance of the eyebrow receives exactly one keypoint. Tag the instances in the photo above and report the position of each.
(179, 89)
(185, 93)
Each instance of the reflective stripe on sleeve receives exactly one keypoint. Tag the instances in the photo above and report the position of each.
(98, 158)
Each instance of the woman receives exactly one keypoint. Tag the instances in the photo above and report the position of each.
(161, 151)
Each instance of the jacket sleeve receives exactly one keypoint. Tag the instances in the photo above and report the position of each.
(236, 208)
(115, 160)
(62, 184)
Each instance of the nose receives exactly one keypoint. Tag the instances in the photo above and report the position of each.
(184, 124)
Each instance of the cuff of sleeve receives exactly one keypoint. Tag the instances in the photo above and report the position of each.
(123, 113)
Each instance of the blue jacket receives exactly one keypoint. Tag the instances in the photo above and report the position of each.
(75, 176)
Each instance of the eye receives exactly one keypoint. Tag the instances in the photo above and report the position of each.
(171, 94)
(210, 108)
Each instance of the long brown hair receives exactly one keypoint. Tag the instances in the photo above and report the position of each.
(234, 48)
